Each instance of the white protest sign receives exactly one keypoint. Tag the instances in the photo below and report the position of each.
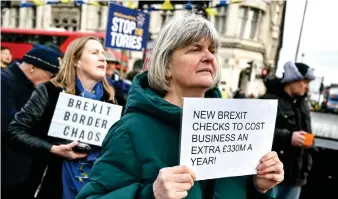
(224, 138)
(83, 119)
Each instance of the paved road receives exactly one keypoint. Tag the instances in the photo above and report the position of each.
(325, 125)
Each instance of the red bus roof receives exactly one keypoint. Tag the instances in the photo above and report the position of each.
(19, 49)
(51, 32)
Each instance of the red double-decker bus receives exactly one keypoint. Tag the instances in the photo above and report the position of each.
(20, 41)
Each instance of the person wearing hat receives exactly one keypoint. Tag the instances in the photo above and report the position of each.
(123, 86)
(293, 123)
(5, 57)
(18, 81)
(57, 49)
(112, 62)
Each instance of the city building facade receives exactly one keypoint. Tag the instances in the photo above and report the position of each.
(250, 32)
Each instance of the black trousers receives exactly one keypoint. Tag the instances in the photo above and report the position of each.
(17, 191)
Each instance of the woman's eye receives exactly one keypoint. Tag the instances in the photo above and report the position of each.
(194, 49)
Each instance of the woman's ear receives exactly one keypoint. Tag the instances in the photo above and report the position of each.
(77, 64)
(168, 73)
(32, 68)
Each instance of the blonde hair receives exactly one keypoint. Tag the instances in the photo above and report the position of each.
(178, 32)
(65, 79)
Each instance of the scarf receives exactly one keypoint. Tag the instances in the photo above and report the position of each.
(96, 93)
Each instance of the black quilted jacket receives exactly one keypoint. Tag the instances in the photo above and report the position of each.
(293, 114)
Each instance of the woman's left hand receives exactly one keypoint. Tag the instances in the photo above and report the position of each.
(270, 172)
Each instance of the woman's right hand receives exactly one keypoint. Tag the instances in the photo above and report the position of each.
(173, 182)
(65, 150)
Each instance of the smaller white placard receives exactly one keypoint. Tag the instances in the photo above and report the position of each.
(83, 119)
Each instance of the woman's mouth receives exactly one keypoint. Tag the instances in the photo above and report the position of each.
(205, 70)
(100, 66)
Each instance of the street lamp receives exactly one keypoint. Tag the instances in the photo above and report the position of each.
(301, 31)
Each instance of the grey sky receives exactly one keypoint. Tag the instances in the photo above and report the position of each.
(320, 37)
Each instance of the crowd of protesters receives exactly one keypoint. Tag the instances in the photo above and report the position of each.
(139, 156)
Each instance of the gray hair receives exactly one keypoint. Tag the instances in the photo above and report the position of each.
(177, 33)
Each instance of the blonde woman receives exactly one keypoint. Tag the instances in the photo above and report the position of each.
(82, 73)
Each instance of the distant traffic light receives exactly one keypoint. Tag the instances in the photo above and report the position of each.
(265, 71)
(248, 70)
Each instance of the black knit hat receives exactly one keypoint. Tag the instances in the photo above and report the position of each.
(43, 57)
(296, 71)
(55, 47)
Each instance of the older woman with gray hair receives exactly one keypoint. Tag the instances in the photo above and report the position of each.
(141, 152)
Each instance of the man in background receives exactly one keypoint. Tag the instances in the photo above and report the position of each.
(293, 124)
(112, 62)
(18, 82)
(5, 57)
(123, 86)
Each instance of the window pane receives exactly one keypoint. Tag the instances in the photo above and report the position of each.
(254, 14)
(217, 23)
(6, 37)
(242, 21)
(220, 20)
(254, 20)
(20, 38)
(242, 12)
(223, 23)
(248, 18)
(32, 39)
(166, 15)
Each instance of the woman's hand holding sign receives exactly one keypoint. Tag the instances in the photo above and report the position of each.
(270, 172)
(173, 182)
(66, 151)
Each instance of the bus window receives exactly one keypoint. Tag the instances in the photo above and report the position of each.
(46, 39)
(5, 37)
(32, 39)
(9, 37)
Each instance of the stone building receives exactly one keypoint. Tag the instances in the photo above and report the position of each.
(251, 31)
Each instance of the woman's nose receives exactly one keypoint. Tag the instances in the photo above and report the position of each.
(208, 56)
(102, 58)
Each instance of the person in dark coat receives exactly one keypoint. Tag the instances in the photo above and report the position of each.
(5, 57)
(57, 49)
(239, 94)
(292, 124)
(18, 81)
(122, 87)
(112, 63)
